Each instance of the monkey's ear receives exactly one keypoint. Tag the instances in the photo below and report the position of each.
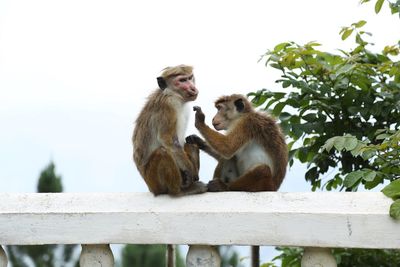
(239, 104)
(161, 83)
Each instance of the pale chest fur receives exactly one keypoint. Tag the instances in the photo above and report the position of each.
(252, 155)
(182, 112)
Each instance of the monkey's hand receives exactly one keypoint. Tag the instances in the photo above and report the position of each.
(200, 117)
(196, 140)
(217, 185)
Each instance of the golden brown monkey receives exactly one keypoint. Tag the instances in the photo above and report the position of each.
(252, 155)
(167, 164)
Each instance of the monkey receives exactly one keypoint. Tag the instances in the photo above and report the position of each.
(252, 156)
(167, 164)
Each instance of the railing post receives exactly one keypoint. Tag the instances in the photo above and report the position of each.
(255, 256)
(3, 257)
(318, 257)
(96, 256)
(202, 256)
(171, 256)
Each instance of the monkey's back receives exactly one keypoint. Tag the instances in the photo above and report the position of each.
(266, 131)
(147, 126)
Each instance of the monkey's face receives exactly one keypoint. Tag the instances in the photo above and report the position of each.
(229, 110)
(222, 120)
(185, 86)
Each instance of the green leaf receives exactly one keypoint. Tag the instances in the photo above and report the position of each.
(310, 117)
(345, 68)
(395, 210)
(378, 6)
(352, 178)
(359, 24)
(392, 190)
(286, 84)
(369, 175)
(380, 131)
(347, 33)
(350, 143)
(280, 47)
(339, 143)
(276, 66)
(382, 136)
(278, 108)
(368, 153)
(329, 144)
(302, 154)
(312, 174)
(285, 116)
(358, 149)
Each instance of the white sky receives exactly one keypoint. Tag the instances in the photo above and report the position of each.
(74, 74)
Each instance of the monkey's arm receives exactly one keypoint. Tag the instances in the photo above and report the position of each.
(194, 139)
(224, 145)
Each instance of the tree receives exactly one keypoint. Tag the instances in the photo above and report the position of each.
(147, 256)
(356, 93)
(342, 116)
(44, 255)
(229, 257)
(49, 182)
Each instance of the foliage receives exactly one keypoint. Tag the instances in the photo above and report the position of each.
(229, 257)
(393, 5)
(49, 182)
(147, 256)
(288, 257)
(383, 156)
(352, 93)
(367, 257)
(44, 255)
(291, 257)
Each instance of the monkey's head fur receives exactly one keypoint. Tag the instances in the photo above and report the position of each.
(170, 72)
(240, 102)
(229, 109)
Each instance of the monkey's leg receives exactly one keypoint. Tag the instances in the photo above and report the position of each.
(254, 180)
(197, 187)
(193, 153)
(162, 174)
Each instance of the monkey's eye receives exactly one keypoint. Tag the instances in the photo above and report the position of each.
(182, 80)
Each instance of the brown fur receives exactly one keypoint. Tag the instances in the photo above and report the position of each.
(243, 127)
(166, 163)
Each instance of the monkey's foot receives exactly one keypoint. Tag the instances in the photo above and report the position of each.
(217, 186)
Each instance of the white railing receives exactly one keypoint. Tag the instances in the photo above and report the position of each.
(317, 221)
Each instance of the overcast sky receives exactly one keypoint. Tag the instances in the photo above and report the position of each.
(74, 74)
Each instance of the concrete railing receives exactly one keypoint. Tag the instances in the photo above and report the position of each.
(316, 221)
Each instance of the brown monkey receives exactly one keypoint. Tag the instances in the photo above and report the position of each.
(166, 163)
(253, 154)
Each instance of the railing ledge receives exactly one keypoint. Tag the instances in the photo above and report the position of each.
(267, 218)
